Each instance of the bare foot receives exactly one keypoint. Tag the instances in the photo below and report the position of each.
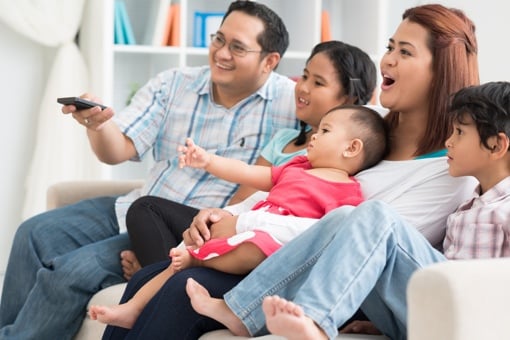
(120, 315)
(214, 308)
(130, 264)
(287, 319)
(181, 258)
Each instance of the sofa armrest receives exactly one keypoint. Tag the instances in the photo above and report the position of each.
(65, 193)
(460, 300)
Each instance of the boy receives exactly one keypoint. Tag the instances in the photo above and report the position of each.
(479, 147)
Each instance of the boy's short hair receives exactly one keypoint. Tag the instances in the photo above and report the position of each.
(488, 105)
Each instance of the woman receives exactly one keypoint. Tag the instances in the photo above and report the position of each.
(336, 73)
(373, 248)
(431, 56)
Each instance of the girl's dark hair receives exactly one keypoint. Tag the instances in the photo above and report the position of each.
(275, 37)
(355, 71)
(452, 42)
(488, 105)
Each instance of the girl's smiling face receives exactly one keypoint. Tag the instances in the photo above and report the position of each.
(318, 90)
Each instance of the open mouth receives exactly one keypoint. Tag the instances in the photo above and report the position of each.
(303, 101)
(387, 81)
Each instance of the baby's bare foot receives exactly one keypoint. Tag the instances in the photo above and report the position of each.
(214, 308)
(287, 319)
(120, 315)
(181, 258)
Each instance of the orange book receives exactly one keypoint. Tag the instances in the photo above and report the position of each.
(168, 26)
(325, 27)
(174, 39)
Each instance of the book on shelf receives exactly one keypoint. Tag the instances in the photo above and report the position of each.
(174, 35)
(118, 35)
(123, 32)
(325, 26)
(158, 23)
(170, 35)
(205, 24)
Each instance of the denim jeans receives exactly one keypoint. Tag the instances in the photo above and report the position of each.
(58, 260)
(352, 257)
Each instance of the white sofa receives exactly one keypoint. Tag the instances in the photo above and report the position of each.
(456, 300)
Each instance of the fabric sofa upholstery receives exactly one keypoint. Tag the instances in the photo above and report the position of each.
(454, 300)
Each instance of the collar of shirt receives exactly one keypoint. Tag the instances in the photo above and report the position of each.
(496, 193)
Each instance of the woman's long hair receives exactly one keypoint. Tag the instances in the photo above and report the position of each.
(452, 42)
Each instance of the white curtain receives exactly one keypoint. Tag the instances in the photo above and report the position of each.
(61, 150)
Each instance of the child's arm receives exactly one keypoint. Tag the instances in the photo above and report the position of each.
(232, 170)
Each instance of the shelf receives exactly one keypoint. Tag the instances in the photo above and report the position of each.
(146, 49)
(116, 69)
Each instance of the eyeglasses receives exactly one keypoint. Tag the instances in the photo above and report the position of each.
(234, 47)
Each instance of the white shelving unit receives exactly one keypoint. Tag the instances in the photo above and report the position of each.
(116, 69)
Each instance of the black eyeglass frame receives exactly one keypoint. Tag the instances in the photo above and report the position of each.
(235, 48)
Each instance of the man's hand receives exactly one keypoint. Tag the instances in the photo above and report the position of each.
(198, 232)
(92, 118)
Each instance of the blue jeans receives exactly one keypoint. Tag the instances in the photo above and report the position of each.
(58, 260)
(351, 258)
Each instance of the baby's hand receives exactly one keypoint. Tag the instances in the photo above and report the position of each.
(192, 155)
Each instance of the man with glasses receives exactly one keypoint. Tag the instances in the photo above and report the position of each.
(235, 47)
(60, 258)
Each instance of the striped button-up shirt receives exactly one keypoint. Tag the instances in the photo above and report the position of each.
(480, 228)
(178, 103)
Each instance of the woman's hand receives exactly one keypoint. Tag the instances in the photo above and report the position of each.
(198, 232)
(226, 227)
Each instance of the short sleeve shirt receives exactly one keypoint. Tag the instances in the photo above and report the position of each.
(177, 104)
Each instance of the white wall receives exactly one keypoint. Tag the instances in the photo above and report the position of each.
(492, 27)
(24, 65)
